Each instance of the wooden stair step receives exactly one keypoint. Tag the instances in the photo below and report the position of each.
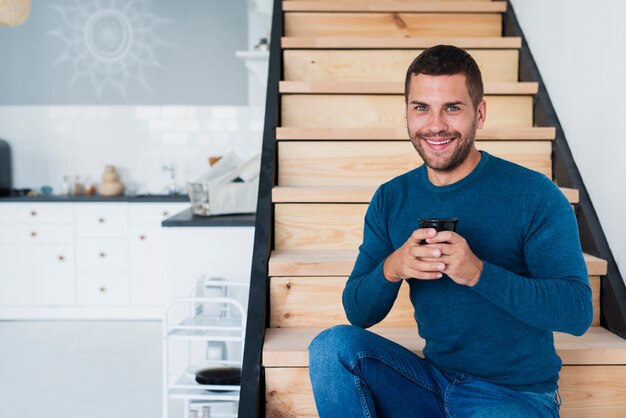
(316, 302)
(331, 42)
(346, 87)
(371, 163)
(287, 347)
(392, 24)
(387, 111)
(340, 263)
(591, 381)
(394, 6)
(586, 391)
(400, 134)
(384, 65)
(350, 194)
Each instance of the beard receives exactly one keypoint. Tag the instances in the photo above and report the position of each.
(459, 153)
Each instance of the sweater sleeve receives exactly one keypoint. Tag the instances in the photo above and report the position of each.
(368, 296)
(557, 295)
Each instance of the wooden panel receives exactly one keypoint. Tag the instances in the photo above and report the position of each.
(373, 163)
(393, 24)
(340, 263)
(311, 263)
(328, 42)
(395, 6)
(394, 87)
(287, 347)
(400, 134)
(593, 391)
(316, 302)
(323, 226)
(385, 65)
(586, 391)
(387, 111)
(345, 194)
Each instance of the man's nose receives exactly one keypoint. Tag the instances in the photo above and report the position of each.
(437, 123)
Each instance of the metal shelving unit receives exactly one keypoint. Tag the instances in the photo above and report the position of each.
(211, 320)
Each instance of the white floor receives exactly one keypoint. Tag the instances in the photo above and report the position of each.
(74, 369)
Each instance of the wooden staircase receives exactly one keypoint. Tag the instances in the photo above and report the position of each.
(341, 134)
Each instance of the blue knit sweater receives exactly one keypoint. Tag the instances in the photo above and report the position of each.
(534, 279)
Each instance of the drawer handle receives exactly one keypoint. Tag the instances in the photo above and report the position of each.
(61, 258)
(101, 220)
(33, 234)
(103, 254)
(142, 237)
(103, 289)
(166, 213)
(33, 213)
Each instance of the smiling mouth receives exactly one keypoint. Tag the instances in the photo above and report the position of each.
(433, 142)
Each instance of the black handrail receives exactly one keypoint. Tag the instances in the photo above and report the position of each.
(566, 174)
(252, 398)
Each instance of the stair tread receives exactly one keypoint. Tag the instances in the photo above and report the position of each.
(348, 87)
(287, 347)
(333, 42)
(340, 263)
(394, 6)
(350, 194)
(399, 134)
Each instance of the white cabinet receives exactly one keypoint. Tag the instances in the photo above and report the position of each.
(57, 277)
(102, 254)
(84, 259)
(149, 254)
(36, 254)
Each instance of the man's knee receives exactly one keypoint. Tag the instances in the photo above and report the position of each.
(335, 341)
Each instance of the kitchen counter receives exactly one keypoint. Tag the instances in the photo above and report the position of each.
(186, 218)
(69, 199)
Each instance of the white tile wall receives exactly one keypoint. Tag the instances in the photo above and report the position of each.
(49, 142)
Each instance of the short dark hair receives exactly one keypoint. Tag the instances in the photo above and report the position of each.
(447, 60)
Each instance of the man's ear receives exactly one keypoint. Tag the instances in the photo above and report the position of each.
(481, 114)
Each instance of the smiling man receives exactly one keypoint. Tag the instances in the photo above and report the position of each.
(487, 297)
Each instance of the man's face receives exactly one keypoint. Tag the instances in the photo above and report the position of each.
(442, 120)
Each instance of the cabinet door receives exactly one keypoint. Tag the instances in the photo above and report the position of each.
(101, 254)
(149, 263)
(100, 289)
(58, 274)
(101, 220)
(36, 275)
(21, 275)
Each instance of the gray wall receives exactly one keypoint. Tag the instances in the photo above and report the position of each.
(181, 52)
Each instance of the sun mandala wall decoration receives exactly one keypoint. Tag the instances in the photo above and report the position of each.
(109, 42)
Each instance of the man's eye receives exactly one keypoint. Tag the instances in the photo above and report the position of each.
(420, 108)
(452, 108)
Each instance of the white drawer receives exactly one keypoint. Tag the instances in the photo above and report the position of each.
(102, 289)
(154, 213)
(101, 254)
(36, 234)
(36, 213)
(101, 219)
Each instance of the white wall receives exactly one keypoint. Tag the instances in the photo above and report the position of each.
(580, 49)
(49, 142)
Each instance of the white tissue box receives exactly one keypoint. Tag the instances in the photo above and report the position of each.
(209, 198)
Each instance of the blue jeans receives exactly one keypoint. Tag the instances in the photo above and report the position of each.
(356, 373)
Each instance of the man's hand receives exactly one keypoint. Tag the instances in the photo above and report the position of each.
(461, 264)
(406, 262)
(445, 252)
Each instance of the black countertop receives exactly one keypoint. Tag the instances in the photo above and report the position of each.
(186, 218)
(148, 198)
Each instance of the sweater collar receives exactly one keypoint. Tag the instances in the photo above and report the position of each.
(484, 160)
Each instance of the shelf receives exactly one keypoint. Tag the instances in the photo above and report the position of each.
(188, 383)
(208, 327)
